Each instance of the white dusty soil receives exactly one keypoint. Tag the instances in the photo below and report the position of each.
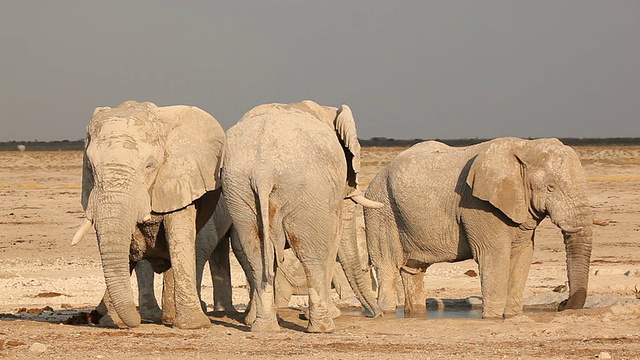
(42, 274)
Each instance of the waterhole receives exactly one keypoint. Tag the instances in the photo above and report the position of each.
(469, 308)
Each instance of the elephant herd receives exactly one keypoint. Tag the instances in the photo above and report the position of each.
(167, 185)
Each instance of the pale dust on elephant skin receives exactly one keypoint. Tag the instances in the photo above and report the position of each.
(40, 211)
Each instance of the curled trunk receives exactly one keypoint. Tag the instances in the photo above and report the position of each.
(350, 260)
(114, 224)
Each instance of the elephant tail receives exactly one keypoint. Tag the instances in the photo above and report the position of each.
(262, 187)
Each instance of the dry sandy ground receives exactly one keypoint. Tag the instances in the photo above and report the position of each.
(40, 210)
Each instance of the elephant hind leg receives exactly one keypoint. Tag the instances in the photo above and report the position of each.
(261, 281)
(316, 248)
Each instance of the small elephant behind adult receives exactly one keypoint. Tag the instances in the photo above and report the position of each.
(291, 280)
(150, 181)
(445, 204)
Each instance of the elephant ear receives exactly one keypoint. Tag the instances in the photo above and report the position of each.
(192, 156)
(87, 173)
(345, 127)
(496, 176)
(87, 178)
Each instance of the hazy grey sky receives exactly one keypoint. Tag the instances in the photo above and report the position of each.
(408, 69)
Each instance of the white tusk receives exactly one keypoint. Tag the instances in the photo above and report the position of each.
(360, 199)
(567, 228)
(84, 227)
(600, 222)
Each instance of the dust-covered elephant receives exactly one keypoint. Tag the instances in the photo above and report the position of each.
(149, 182)
(290, 176)
(445, 204)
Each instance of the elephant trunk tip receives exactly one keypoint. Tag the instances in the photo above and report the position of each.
(376, 313)
(575, 300)
(133, 322)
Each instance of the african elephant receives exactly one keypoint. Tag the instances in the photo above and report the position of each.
(290, 176)
(446, 204)
(149, 183)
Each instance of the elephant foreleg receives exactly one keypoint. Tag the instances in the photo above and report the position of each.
(414, 296)
(168, 297)
(284, 290)
(387, 287)
(149, 309)
(180, 227)
(521, 256)
(493, 259)
(221, 276)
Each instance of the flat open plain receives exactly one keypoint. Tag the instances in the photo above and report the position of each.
(39, 271)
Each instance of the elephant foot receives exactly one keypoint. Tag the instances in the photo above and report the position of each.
(491, 312)
(153, 315)
(224, 308)
(168, 316)
(194, 319)
(269, 324)
(414, 310)
(389, 311)
(334, 312)
(509, 313)
(324, 325)
(203, 306)
(492, 315)
(108, 321)
(249, 315)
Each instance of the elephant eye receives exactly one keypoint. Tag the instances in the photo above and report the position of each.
(551, 187)
(151, 166)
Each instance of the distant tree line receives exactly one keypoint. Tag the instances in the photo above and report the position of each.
(66, 145)
(61, 145)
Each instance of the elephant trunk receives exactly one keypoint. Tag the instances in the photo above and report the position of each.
(350, 260)
(577, 240)
(115, 223)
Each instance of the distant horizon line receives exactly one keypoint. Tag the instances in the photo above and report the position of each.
(378, 141)
(383, 138)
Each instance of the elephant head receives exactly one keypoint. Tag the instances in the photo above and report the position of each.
(530, 179)
(140, 160)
